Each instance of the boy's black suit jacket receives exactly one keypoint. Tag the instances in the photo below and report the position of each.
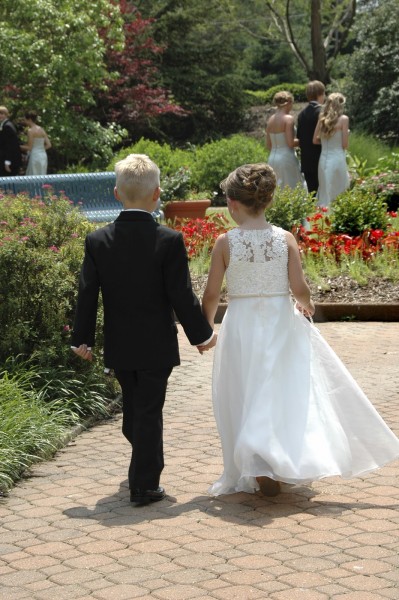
(141, 268)
(307, 121)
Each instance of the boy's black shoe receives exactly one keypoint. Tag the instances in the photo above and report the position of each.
(146, 496)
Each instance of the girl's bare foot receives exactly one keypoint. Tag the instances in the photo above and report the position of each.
(268, 486)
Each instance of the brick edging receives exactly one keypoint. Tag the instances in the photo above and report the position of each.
(326, 311)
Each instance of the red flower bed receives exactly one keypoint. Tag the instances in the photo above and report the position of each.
(319, 239)
(200, 234)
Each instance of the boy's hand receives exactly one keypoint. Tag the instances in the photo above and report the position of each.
(83, 351)
(211, 344)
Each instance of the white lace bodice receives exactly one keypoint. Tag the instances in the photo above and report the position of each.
(258, 263)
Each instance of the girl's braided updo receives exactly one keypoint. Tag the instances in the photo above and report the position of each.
(252, 185)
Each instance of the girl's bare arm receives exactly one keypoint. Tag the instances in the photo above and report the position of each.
(219, 261)
(298, 285)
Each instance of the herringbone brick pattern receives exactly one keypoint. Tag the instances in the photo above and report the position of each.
(69, 532)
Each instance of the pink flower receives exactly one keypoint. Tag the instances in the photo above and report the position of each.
(54, 248)
(66, 328)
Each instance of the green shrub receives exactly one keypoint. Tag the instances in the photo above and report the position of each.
(356, 211)
(290, 207)
(41, 250)
(390, 162)
(385, 186)
(176, 186)
(169, 160)
(214, 161)
(298, 90)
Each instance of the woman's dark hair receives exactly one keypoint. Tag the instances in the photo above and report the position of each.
(32, 115)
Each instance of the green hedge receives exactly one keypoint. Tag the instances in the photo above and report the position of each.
(298, 90)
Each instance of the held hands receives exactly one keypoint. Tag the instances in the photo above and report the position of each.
(211, 344)
(83, 351)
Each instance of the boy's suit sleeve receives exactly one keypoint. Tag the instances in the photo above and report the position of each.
(86, 310)
(182, 298)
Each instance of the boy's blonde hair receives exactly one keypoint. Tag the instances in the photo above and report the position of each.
(137, 176)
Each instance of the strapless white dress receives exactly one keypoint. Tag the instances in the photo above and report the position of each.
(284, 162)
(333, 170)
(284, 403)
(37, 163)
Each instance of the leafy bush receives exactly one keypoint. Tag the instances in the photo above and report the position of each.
(298, 90)
(176, 186)
(169, 160)
(358, 210)
(41, 250)
(290, 207)
(214, 161)
(385, 186)
(390, 162)
(44, 387)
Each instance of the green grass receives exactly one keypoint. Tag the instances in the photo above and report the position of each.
(38, 406)
(321, 268)
(368, 149)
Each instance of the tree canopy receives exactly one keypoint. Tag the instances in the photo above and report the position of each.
(53, 61)
(103, 73)
(373, 72)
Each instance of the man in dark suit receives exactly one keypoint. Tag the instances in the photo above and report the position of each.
(10, 151)
(142, 270)
(307, 121)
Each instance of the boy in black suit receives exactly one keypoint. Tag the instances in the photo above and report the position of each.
(307, 121)
(142, 270)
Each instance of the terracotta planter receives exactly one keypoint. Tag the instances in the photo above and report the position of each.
(186, 209)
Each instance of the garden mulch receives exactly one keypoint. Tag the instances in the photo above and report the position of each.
(68, 530)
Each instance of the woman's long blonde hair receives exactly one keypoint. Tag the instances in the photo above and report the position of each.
(330, 113)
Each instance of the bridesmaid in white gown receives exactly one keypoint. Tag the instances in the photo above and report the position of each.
(332, 131)
(286, 408)
(37, 144)
(281, 141)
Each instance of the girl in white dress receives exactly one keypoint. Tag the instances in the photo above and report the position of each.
(281, 141)
(36, 146)
(286, 408)
(332, 131)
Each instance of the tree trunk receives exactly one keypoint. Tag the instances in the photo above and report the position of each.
(319, 59)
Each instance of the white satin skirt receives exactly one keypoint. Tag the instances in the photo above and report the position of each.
(284, 403)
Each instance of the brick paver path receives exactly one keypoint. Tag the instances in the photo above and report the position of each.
(69, 531)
